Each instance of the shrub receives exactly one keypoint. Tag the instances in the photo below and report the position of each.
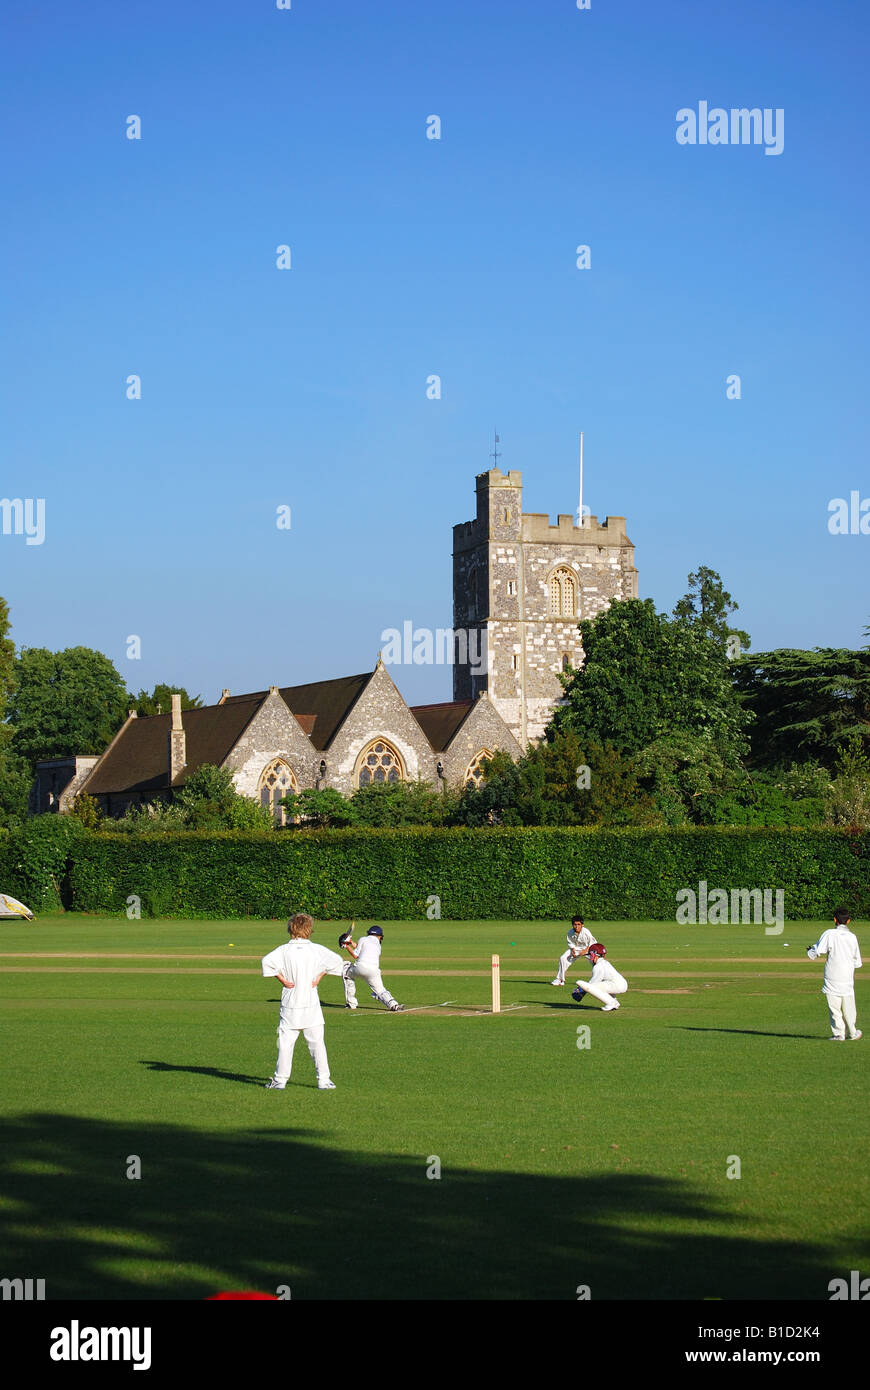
(495, 873)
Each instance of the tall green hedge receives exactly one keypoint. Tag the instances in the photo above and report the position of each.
(492, 873)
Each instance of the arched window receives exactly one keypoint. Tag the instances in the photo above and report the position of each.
(277, 780)
(380, 763)
(474, 773)
(563, 594)
(566, 661)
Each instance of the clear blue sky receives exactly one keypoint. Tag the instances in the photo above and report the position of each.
(410, 257)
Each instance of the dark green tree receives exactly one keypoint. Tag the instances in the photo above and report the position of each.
(209, 801)
(647, 677)
(159, 700)
(15, 773)
(64, 703)
(400, 803)
(707, 607)
(806, 704)
(315, 809)
(559, 782)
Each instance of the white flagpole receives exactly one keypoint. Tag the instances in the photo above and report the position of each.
(580, 508)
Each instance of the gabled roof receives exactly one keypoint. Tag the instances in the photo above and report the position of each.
(138, 760)
(320, 707)
(441, 723)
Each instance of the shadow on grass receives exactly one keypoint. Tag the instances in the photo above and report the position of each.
(748, 1032)
(258, 1208)
(208, 1071)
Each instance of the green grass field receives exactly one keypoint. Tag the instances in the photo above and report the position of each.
(561, 1166)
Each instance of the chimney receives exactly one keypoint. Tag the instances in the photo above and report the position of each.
(177, 741)
(225, 695)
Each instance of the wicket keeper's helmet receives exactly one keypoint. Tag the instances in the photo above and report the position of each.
(596, 951)
(374, 931)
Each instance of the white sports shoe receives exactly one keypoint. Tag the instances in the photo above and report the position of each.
(856, 1035)
(557, 982)
(326, 1085)
(608, 1008)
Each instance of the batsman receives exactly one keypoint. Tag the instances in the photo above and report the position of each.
(366, 965)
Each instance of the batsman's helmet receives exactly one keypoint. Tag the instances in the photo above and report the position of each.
(374, 931)
(596, 951)
(344, 938)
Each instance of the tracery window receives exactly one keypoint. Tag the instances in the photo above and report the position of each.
(380, 763)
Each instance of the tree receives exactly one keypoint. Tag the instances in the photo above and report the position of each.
(648, 677)
(706, 607)
(7, 658)
(209, 801)
(319, 810)
(848, 801)
(87, 810)
(159, 701)
(15, 774)
(64, 703)
(559, 782)
(400, 803)
(806, 704)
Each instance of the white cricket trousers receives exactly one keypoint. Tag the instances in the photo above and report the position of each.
(843, 1014)
(316, 1046)
(373, 980)
(566, 960)
(599, 992)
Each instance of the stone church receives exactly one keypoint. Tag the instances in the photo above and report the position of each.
(520, 586)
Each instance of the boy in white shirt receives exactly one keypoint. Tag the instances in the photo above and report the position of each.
(840, 947)
(604, 982)
(300, 966)
(366, 965)
(579, 940)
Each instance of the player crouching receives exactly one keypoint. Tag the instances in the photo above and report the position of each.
(366, 965)
(604, 981)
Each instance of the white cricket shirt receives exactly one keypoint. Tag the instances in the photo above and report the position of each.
(840, 947)
(368, 957)
(301, 961)
(606, 976)
(582, 938)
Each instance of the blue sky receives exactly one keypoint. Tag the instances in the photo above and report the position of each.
(411, 257)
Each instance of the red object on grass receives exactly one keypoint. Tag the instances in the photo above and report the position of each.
(241, 1294)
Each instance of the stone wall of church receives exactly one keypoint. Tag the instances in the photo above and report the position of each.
(273, 733)
(379, 713)
(483, 728)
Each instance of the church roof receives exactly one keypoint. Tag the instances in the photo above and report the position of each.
(320, 707)
(138, 760)
(440, 723)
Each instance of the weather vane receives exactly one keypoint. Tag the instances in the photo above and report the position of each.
(495, 455)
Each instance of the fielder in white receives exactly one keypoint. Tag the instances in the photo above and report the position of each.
(300, 966)
(366, 965)
(839, 946)
(604, 982)
(579, 940)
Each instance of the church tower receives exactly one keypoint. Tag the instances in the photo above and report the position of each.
(520, 587)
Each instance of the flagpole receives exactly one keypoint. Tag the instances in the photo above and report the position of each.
(580, 508)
